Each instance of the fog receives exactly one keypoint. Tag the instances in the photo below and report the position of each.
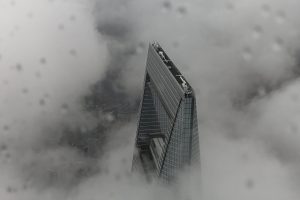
(71, 77)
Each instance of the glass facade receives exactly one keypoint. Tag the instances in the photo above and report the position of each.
(167, 133)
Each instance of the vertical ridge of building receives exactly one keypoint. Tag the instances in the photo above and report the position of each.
(167, 137)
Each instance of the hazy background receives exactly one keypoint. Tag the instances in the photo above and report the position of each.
(71, 75)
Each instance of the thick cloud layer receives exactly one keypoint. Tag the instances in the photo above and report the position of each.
(71, 74)
(50, 55)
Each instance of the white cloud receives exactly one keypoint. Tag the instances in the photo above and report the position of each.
(230, 51)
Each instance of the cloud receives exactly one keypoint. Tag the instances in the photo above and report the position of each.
(71, 73)
(240, 56)
(51, 54)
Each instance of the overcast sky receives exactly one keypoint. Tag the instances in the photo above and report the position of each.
(240, 56)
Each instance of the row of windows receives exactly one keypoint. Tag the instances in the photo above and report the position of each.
(179, 149)
(162, 96)
(167, 86)
(163, 69)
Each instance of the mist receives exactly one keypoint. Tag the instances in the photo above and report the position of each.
(71, 77)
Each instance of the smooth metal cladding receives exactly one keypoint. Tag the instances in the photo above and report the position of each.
(167, 134)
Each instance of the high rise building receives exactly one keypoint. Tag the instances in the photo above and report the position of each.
(167, 133)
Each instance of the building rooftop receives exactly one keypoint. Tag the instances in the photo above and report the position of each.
(173, 69)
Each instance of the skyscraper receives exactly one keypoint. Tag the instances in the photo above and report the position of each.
(167, 132)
